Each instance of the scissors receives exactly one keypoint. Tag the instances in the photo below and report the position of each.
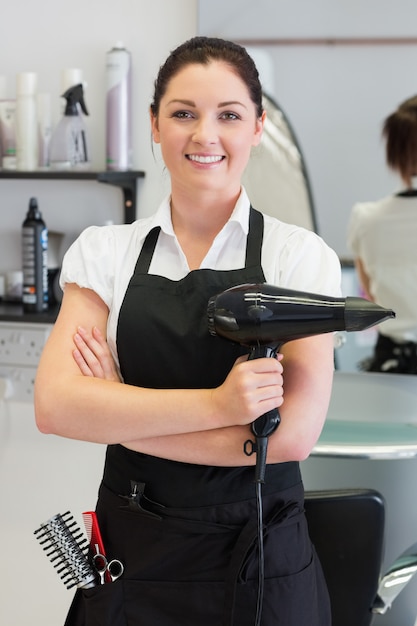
(113, 569)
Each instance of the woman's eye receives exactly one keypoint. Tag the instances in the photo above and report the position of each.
(229, 115)
(182, 115)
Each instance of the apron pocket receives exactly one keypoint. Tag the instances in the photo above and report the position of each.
(104, 605)
(159, 603)
(300, 598)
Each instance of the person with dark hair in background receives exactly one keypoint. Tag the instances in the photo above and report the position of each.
(130, 363)
(383, 236)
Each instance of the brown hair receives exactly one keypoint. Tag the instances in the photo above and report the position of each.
(203, 50)
(400, 133)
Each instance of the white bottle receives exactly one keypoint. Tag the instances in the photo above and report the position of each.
(119, 108)
(71, 76)
(44, 128)
(26, 122)
(69, 144)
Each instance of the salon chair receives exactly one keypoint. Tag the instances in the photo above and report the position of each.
(347, 529)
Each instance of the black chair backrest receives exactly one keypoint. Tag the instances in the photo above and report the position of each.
(347, 529)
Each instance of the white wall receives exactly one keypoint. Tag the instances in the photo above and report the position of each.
(47, 36)
(335, 96)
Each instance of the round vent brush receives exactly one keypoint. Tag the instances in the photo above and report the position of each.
(66, 548)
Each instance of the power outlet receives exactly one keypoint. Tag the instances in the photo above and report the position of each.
(22, 344)
(19, 382)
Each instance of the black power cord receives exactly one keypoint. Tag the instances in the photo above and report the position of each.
(261, 561)
(262, 428)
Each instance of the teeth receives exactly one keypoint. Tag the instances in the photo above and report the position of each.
(204, 159)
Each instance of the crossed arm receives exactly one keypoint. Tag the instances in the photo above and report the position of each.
(78, 394)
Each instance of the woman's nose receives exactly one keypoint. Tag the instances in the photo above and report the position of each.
(205, 131)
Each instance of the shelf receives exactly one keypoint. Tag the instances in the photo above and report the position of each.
(13, 312)
(126, 180)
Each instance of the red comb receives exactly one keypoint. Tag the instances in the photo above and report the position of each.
(94, 536)
(93, 532)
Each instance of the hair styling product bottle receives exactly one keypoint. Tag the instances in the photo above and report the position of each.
(26, 122)
(69, 144)
(44, 128)
(35, 261)
(119, 109)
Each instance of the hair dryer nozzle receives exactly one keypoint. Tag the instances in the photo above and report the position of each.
(262, 314)
(361, 314)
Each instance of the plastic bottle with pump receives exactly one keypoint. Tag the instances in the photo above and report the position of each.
(35, 260)
(69, 145)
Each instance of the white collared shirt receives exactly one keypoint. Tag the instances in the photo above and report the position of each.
(383, 235)
(103, 258)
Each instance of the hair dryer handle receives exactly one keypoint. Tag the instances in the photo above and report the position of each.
(267, 423)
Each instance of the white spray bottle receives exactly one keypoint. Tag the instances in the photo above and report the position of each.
(69, 145)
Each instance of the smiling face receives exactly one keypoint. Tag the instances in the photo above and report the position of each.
(206, 125)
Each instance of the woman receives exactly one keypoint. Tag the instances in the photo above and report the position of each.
(177, 502)
(382, 236)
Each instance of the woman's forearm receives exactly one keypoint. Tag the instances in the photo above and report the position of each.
(308, 373)
(222, 447)
(89, 408)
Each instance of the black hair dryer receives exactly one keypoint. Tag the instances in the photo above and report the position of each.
(263, 317)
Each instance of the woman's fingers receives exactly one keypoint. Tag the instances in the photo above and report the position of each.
(251, 389)
(93, 356)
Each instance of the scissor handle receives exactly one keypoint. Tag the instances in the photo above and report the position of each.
(115, 569)
(100, 562)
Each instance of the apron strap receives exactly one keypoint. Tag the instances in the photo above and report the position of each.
(241, 548)
(146, 254)
(246, 542)
(254, 239)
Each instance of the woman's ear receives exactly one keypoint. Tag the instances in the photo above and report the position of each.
(154, 126)
(260, 123)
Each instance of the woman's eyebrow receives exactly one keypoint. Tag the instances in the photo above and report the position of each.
(191, 103)
(231, 103)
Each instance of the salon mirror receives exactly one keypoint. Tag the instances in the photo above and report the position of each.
(279, 160)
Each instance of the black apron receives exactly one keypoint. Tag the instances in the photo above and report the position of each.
(187, 534)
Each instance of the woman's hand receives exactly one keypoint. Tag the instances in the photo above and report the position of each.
(93, 356)
(251, 389)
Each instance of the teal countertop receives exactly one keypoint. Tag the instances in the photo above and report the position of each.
(367, 440)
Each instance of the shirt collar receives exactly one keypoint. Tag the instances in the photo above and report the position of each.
(240, 214)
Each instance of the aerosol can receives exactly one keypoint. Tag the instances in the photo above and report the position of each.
(119, 108)
(69, 145)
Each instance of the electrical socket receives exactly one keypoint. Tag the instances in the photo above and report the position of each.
(6, 388)
(22, 344)
(18, 382)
